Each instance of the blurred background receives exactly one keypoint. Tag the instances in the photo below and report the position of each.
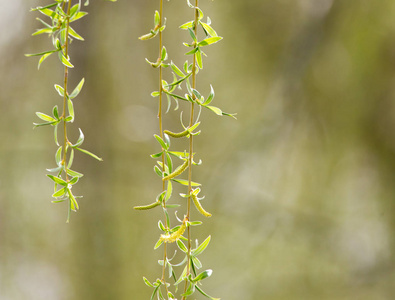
(301, 186)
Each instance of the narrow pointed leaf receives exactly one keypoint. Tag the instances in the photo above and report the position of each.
(209, 41)
(161, 142)
(89, 153)
(65, 61)
(206, 295)
(77, 89)
(80, 139)
(71, 158)
(214, 109)
(71, 109)
(43, 58)
(157, 18)
(74, 173)
(45, 117)
(73, 202)
(58, 156)
(185, 182)
(208, 29)
(59, 193)
(57, 180)
(147, 282)
(201, 247)
(42, 30)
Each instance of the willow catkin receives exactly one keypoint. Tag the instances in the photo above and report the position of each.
(171, 238)
(199, 207)
(177, 172)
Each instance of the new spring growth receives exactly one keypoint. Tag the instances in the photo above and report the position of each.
(62, 15)
(178, 171)
(157, 28)
(197, 203)
(186, 132)
(170, 238)
(183, 78)
(146, 207)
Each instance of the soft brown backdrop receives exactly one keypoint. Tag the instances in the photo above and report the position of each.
(301, 186)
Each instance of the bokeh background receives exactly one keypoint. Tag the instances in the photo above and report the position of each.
(301, 186)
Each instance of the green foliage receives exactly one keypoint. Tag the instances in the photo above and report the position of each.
(184, 77)
(62, 14)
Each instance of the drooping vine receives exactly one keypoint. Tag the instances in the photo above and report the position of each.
(165, 168)
(62, 13)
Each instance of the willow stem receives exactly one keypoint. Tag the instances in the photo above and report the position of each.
(66, 75)
(191, 154)
(160, 117)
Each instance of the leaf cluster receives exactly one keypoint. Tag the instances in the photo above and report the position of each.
(175, 163)
(61, 14)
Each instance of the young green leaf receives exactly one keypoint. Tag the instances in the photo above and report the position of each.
(210, 96)
(71, 158)
(43, 57)
(181, 246)
(164, 54)
(55, 112)
(176, 69)
(158, 171)
(58, 156)
(74, 180)
(42, 30)
(147, 282)
(71, 109)
(187, 25)
(192, 34)
(199, 59)
(60, 90)
(161, 142)
(158, 243)
(74, 173)
(77, 89)
(59, 193)
(89, 153)
(45, 117)
(185, 182)
(73, 202)
(156, 155)
(79, 15)
(208, 29)
(64, 60)
(80, 139)
(214, 109)
(57, 180)
(205, 294)
(155, 94)
(202, 275)
(41, 53)
(157, 18)
(209, 41)
(201, 247)
(169, 191)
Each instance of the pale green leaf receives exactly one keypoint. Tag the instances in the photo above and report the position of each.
(214, 109)
(45, 117)
(201, 247)
(89, 153)
(71, 109)
(208, 29)
(78, 88)
(185, 182)
(57, 180)
(59, 193)
(210, 40)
